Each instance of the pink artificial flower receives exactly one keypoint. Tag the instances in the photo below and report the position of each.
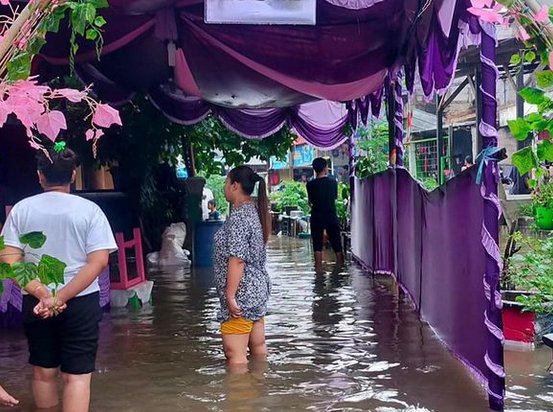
(489, 15)
(74, 96)
(523, 34)
(542, 16)
(4, 2)
(89, 134)
(51, 123)
(550, 60)
(480, 4)
(4, 112)
(94, 134)
(105, 116)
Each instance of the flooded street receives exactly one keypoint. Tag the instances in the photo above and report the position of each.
(337, 342)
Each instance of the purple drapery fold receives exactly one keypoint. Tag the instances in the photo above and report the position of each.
(11, 296)
(398, 121)
(319, 123)
(431, 243)
(490, 224)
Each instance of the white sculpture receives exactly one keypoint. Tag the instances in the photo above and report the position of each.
(172, 252)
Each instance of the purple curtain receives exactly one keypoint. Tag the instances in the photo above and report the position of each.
(431, 242)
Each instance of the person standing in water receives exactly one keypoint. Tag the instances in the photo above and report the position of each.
(322, 193)
(62, 329)
(241, 278)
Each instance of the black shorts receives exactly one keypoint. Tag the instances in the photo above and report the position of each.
(68, 341)
(332, 227)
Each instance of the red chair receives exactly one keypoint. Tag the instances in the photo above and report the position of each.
(124, 282)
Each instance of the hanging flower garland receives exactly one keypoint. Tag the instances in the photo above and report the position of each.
(22, 35)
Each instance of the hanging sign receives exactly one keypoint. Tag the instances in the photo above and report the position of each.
(261, 11)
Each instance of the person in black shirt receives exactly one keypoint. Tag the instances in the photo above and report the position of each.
(323, 192)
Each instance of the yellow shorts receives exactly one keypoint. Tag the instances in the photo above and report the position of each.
(238, 326)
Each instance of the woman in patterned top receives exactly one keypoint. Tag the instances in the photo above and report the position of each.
(241, 279)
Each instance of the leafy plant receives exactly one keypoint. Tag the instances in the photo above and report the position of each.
(291, 194)
(526, 210)
(342, 204)
(215, 146)
(543, 195)
(217, 184)
(49, 270)
(374, 150)
(533, 271)
(429, 183)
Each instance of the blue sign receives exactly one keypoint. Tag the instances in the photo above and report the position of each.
(303, 155)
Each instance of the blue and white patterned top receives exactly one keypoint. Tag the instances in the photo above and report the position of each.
(242, 236)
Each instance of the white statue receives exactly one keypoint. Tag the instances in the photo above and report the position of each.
(172, 252)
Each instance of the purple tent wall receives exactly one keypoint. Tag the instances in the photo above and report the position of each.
(432, 243)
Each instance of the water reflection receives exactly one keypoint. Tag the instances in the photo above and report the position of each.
(340, 341)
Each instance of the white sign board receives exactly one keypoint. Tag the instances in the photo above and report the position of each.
(261, 11)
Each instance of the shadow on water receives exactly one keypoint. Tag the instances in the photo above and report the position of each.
(340, 341)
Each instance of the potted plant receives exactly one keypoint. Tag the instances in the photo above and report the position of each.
(530, 274)
(543, 205)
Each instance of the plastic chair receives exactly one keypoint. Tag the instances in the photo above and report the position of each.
(124, 282)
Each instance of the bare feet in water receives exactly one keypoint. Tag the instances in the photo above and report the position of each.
(6, 399)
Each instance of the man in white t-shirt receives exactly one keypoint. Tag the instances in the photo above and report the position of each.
(79, 235)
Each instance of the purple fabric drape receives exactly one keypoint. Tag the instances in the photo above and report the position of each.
(490, 225)
(431, 242)
(319, 123)
(343, 58)
(398, 121)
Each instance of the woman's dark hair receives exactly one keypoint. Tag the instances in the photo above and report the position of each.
(57, 167)
(247, 179)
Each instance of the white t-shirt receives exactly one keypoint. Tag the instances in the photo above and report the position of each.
(73, 226)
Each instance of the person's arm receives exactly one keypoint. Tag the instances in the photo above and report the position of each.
(236, 268)
(11, 255)
(96, 263)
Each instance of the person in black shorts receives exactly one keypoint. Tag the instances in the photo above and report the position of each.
(62, 325)
(323, 192)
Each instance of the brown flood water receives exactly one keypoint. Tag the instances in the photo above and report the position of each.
(338, 342)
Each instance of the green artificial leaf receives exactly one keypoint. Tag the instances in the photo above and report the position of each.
(52, 22)
(533, 117)
(89, 13)
(99, 4)
(532, 183)
(51, 270)
(516, 59)
(530, 56)
(79, 18)
(19, 68)
(34, 239)
(532, 95)
(524, 160)
(100, 21)
(544, 79)
(25, 272)
(519, 128)
(2, 244)
(35, 45)
(91, 34)
(545, 151)
(6, 271)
